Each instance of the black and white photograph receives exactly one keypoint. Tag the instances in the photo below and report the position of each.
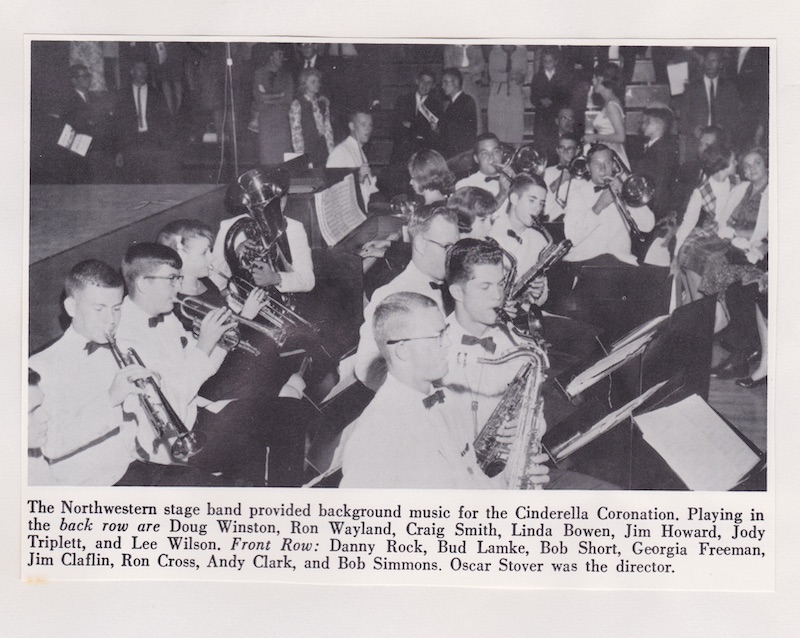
(347, 264)
(437, 319)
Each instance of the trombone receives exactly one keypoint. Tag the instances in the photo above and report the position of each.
(636, 192)
(526, 159)
(578, 168)
(162, 416)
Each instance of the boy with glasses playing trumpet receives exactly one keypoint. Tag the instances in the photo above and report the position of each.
(95, 436)
(235, 429)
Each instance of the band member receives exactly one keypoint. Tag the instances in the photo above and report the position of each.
(592, 220)
(516, 230)
(350, 153)
(433, 230)
(237, 431)
(241, 374)
(488, 155)
(292, 270)
(38, 467)
(474, 207)
(89, 439)
(557, 178)
(411, 436)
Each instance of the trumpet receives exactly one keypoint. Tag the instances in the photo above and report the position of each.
(281, 316)
(162, 416)
(196, 309)
(526, 159)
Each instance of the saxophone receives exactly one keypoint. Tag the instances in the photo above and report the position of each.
(522, 403)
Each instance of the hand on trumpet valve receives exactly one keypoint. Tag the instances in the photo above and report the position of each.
(215, 324)
(124, 382)
(263, 275)
(255, 301)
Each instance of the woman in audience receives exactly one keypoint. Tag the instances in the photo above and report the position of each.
(507, 67)
(430, 177)
(272, 95)
(310, 119)
(609, 125)
(698, 235)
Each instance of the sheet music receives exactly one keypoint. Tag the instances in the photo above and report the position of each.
(75, 142)
(697, 444)
(638, 331)
(678, 74)
(338, 213)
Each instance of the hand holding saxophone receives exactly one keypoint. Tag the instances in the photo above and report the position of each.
(537, 472)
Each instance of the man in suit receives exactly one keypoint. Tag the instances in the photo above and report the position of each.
(143, 128)
(711, 101)
(659, 162)
(416, 115)
(459, 124)
(752, 82)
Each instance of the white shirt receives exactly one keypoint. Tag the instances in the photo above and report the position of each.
(399, 443)
(300, 279)
(172, 352)
(370, 367)
(552, 209)
(349, 154)
(478, 180)
(140, 100)
(594, 235)
(88, 442)
(526, 253)
(478, 386)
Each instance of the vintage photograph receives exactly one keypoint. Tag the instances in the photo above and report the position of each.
(398, 265)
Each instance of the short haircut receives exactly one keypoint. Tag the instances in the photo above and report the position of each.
(597, 148)
(456, 74)
(760, 151)
(662, 114)
(33, 377)
(426, 73)
(352, 115)
(144, 259)
(717, 131)
(470, 203)
(570, 136)
(395, 315)
(466, 254)
(482, 138)
(523, 182)
(91, 272)
(176, 233)
(76, 69)
(716, 157)
(303, 78)
(429, 170)
(423, 217)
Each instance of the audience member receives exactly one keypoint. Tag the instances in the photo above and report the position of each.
(550, 94)
(272, 95)
(508, 64)
(458, 126)
(609, 124)
(470, 62)
(310, 119)
(416, 117)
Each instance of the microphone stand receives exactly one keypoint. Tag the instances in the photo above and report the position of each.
(229, 95)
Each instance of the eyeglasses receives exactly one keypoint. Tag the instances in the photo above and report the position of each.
(446, 247)
(172, 279)
(567, 148)
(439, 336)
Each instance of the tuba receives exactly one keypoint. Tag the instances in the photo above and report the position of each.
(165, 422)
(521, 404)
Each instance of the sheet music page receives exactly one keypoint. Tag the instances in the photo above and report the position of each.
(337, 211)
(697, 444)
(678, 74)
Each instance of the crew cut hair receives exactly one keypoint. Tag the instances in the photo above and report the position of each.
(395, 316)
(423, 217)
(144, 259)
(91, 272)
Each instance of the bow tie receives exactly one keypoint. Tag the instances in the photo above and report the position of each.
(436, 397)
(154, 321)
(514, 235)
(493, 178)
(437, 286)
(92, 346)
(487, 343)
(597, 189)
